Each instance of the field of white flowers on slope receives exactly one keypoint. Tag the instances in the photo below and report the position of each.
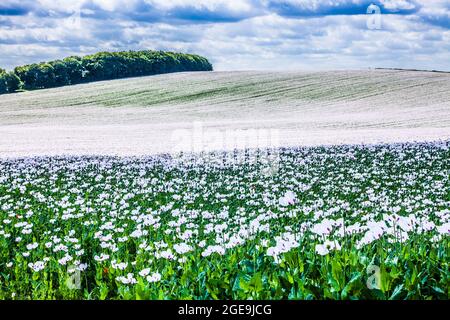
(139, 116)
(343, 222)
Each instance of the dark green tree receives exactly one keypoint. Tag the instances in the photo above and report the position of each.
(12, 82)
(3, 84)
(75, 69)
(101, 66)
(9, 82)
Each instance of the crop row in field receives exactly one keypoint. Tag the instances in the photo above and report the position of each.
(344, 222)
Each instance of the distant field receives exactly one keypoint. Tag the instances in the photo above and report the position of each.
(140, 115)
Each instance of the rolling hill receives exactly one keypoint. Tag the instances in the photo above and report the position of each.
(138, 116)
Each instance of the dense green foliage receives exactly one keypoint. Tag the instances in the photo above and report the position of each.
(9, 82)
(3, 86)
(99, 66)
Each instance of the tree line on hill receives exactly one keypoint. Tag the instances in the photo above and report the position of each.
(9, 82)
(97, 67)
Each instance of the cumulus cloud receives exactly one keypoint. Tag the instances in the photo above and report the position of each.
(233, 34)
(307, 8)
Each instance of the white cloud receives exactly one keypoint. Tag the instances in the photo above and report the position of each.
(211, 5)
(254, 36)
(398, 4)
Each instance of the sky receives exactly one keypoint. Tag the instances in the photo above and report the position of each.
(234, 34)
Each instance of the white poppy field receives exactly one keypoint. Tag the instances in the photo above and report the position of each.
(140, 116)
(330, 222)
